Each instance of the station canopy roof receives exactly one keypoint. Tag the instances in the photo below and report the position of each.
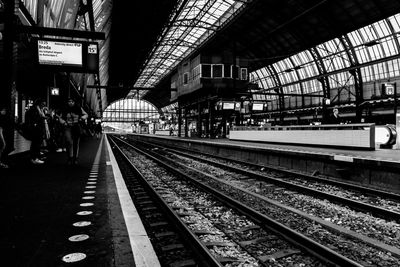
(264, 32)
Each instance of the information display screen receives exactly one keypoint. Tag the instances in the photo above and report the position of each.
(65, 55)
(60, 53)
(258, 107)
(228, 105)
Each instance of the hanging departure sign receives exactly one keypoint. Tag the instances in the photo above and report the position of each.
(71, 56)
(60, 53)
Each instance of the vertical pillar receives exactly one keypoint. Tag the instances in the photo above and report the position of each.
(21, 108)
(68, 86)
(395, 102)
(397, 145)
(9, 64)
(48, 96)
(211, 112)
(207, 123)
(186, 122)
(199, 116)
(179, 121)
(224, 120)
(397, 117)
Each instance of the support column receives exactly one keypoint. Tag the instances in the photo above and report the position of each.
(186, 122)
(279, 91)
(179, 121)
(356, 73)
(395, 106)
(211, 119)
(397, 118)
(324, 80)
(207, 123)
(199, 117)
(223, 121)
(9, 64)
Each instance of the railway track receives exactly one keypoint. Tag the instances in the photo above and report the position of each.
(298, 243)
(320, 225)
(173, 242)
(377, 202)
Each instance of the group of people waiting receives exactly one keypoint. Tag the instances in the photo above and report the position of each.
(53, 130)
(60, 130)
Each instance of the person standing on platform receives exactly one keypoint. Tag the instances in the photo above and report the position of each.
(98, 130)
(335, 117)
(4, 124)
(71, 118)
(34, 118)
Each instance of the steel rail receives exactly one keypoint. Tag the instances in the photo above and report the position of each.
(366, 190)
(204, 255)
(360, 206)
(314, 248)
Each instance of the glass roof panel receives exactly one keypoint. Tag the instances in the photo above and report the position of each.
(373, 42)
(262, 78)
(197, 21)
(395, 22)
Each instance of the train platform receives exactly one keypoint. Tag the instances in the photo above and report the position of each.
(378, 169)
(59, 215)
(379, 154)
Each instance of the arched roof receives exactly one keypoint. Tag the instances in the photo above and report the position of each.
(130, 110)
(267, 32)
(376, 49)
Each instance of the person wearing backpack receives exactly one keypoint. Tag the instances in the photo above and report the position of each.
(71, 118)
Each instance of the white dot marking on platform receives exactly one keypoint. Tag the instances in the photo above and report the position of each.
(90, 187)
(74, 257)
(88, 204)
(82, 224)
(85, 212)
(78, 238)
(88, 197)
(89, 192)
(91, 182)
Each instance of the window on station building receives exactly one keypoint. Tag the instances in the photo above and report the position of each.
(206, 71)
(243, 73)
(196, 72)
(217, 70)
(235, 72)
(227, 71)
(186, 78)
